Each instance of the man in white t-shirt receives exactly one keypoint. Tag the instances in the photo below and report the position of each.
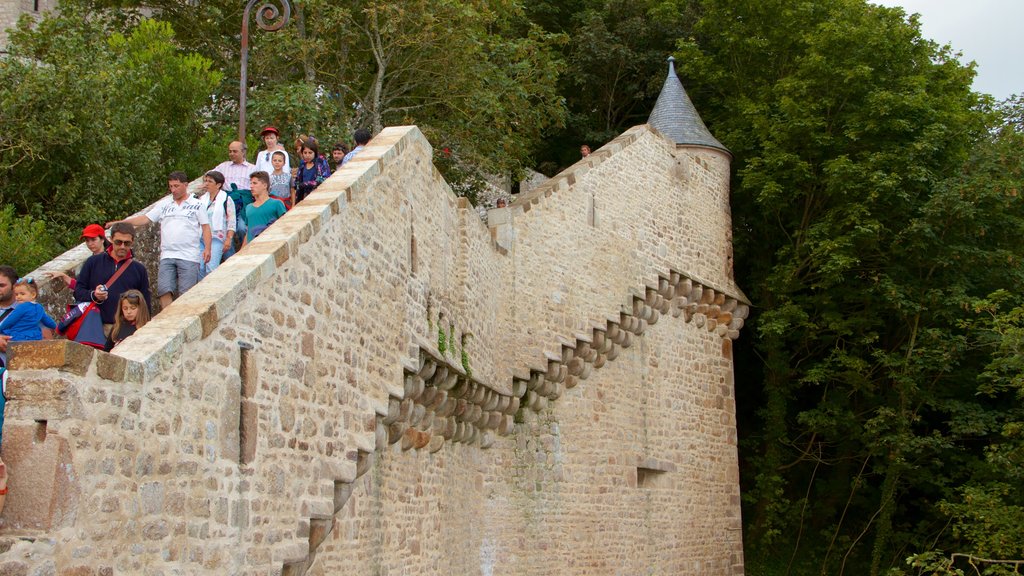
(183, 222)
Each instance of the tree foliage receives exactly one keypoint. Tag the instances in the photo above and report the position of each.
(93, 117)
(476, 76)
(866, 226)
(615, 66)
(24, 241)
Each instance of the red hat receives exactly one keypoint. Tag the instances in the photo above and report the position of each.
(92, 231)
(269, 129)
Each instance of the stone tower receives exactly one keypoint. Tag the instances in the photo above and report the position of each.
(675, 116)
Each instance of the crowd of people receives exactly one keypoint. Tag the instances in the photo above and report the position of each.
(239, 200)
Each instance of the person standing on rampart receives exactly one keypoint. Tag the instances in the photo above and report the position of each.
(281, 188)
(220, 211)
(183, 225)
(8, 278)
(28, 319)
(337, 155)
(264, 210)
(95, 240)
(264, 158)
(94, 278)
(236, 173)
(313, 170)
(362, 138)
(235, 169)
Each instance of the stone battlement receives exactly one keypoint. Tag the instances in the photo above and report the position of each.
(380, 375)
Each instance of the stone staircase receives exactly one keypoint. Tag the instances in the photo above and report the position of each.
(441, 402)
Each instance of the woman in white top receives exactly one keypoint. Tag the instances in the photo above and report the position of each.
(270, 137)
(220, 210)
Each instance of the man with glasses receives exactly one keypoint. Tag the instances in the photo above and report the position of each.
(100, 268)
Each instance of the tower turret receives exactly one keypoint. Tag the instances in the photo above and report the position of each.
(675, 116)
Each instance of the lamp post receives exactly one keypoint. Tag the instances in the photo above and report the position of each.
(270, 18)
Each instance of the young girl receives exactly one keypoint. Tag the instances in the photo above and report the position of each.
(312, 170)
(132, 314)
(23, 324)
(281, 181)
(264, 210)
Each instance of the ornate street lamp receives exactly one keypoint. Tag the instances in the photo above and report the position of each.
(270, 18)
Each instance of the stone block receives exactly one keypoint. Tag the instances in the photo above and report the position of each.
(68, 356)
(43, 489)
(41, 396)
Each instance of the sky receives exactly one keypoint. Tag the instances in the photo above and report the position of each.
(985, 31)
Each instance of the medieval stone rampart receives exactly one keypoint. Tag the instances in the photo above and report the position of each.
(381, 384)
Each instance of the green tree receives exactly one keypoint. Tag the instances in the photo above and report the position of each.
(986, 512)
(94, 116)
(862, 246)
(476, 76)
(615, 66)
(24, 242)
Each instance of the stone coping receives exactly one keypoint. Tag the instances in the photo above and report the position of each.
(197, 313)
(572, 174)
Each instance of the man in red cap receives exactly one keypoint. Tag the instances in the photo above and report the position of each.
(270, 137)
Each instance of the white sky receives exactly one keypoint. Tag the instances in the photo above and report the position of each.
(985, 31)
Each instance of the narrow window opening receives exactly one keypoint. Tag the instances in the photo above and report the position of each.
(412, 253)
(40, 435)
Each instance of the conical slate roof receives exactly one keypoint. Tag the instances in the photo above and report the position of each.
(675, 116)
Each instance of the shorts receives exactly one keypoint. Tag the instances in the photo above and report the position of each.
(176, 275)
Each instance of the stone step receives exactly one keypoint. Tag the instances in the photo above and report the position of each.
(318, 507)
(294, 550)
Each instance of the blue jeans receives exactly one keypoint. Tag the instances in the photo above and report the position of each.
(216, 255)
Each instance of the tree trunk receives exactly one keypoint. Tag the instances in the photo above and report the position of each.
(308, 66)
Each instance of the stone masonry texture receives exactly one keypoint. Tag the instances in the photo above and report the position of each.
(11, 10)
(381, 384)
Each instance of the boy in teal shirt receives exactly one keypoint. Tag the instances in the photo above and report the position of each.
(264, 210)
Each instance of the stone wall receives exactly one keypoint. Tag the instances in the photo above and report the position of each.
(11, 10)
(381, 384)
